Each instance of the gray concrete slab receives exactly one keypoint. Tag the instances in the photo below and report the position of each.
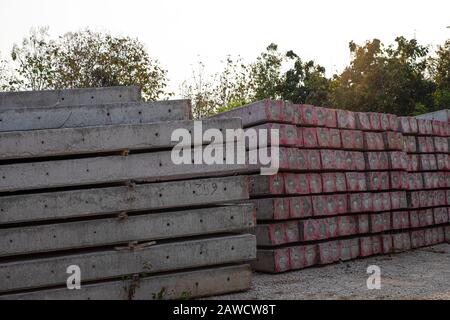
(71, 141)
(271, 208)
(91, 202)
(111, 264)
(267, 261)
(441, 115)
(93, 115)
(69, 97)
(148, 227)
(264, 111)
(182, 285)
(155, 166)
(269, 186)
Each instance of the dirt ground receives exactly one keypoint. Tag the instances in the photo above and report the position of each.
(418, 274)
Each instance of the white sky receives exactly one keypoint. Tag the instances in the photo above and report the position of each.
(178, 32)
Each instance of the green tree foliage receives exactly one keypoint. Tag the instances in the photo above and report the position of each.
(440, 70)
(287, 77)
(391, 79)
(8, 80)
(273, 75)
(265, 74)
(305, 82)
(35, 61)
(401, 78)
(215, 93)
(201, 91)
(3, 77)
(86, 59)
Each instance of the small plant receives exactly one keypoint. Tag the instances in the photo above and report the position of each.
(147, 266)
(186, 295)
(160, 295)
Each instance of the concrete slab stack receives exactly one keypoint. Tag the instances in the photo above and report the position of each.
(343, 189)
(87, 180)
(427, 145)
(441, 115)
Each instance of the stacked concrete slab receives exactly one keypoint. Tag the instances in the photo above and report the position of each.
(87, 180)
(343, 190)
(441, 115)
(427, 145)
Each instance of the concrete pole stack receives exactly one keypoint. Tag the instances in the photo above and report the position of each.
(427, 145)
(440, 130)
(343, 191)
(89, 192)
(441, 115)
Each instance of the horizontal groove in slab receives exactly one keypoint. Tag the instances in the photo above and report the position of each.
(156, 166)
(92, 202)
(93, 115)
(69, 97)
(150, 227)
(112, 264)
(68, 142)
(180, 285)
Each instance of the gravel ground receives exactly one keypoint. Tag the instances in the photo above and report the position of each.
(418, 274)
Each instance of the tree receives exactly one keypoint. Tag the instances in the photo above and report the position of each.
(265, 74)
(86, 59)
(3, 79)
(7, 79)
(200, 90)
(240, 83)
(235, 87)
(380, 79)
(304, 83)
(440, 71)
(92, 59)
(221, 91)
(35, 60)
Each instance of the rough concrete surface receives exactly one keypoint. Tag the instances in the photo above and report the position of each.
(69, 97)
(110, 264)
(418, 274)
